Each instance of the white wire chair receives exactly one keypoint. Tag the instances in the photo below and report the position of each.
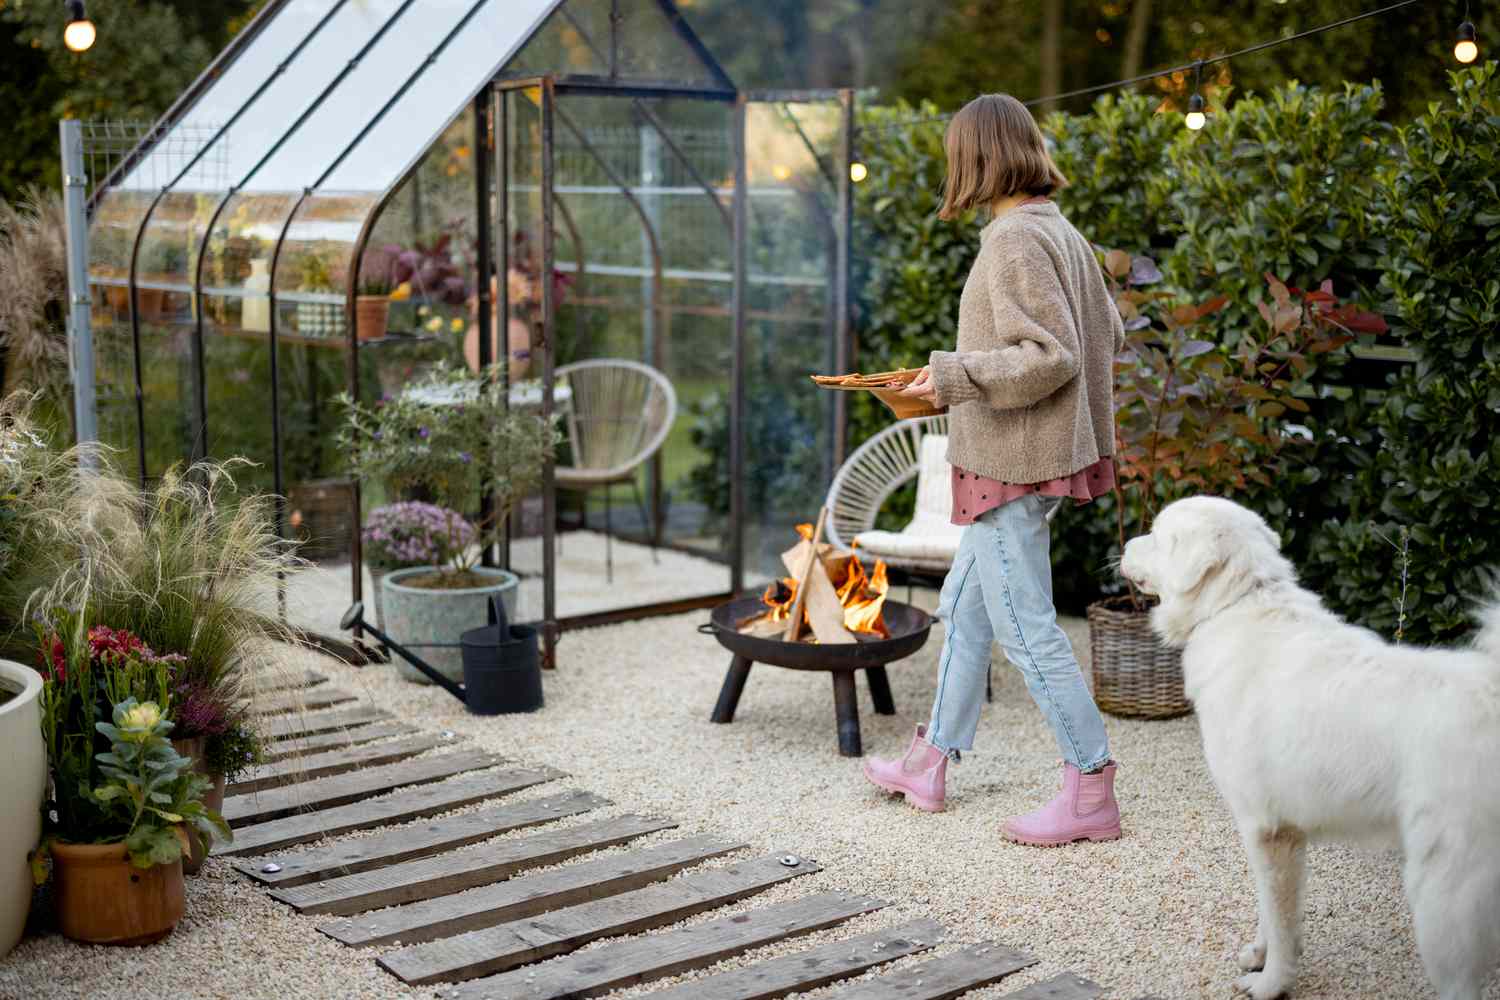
(618, 417)
(878, 468)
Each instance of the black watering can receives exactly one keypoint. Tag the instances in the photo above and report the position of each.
(502, 669)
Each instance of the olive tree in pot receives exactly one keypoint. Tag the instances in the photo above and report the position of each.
(1192, 417)
(452, 437)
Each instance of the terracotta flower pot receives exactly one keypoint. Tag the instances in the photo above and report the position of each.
(103, 899)
(148, 303)
(371, 314)
(192, 748)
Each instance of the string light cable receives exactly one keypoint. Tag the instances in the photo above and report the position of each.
(1196, 66)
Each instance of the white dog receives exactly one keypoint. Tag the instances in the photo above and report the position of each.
(1317, 730)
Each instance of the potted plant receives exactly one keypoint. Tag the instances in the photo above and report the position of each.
(321, 317)
(124, 805)
(452, 437)
(1192, 417)
(412, 533)
(372, 306)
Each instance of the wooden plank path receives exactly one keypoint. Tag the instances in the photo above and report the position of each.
(526, 896)
(507, 946)
(639, 960)
(808, 970)
(290, 771)
(266, 681)
(299, 700)
(458, 903)
(952, 975)
(313, 723)
(339, 738)
(418, 841)
(323, 793)
(407, 804)
(443, 874)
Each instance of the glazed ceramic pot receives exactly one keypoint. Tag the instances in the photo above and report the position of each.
(24, 783)
(418, 617)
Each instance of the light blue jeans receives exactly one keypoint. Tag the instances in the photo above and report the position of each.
(1000, 589)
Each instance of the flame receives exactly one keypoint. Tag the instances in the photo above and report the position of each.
(862, 594)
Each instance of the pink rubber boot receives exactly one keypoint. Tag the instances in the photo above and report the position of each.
(921, 775)
(1085, 809)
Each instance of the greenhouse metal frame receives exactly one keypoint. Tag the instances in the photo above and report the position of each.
(329, 172)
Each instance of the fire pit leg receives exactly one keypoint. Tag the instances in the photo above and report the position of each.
(880, 691)
(734, 686)
(846, 708)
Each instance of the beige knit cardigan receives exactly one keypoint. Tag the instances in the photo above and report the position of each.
(1031, 385)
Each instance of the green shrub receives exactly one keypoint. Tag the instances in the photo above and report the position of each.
(1107, 156)
(1283, 184)
(1428, 460)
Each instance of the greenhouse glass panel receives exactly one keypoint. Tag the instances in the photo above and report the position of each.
(237, 390)
(114, 374)
(791, 159)
(487, 34)
(238, 150)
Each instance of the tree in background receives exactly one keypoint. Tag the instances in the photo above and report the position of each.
(147, 53)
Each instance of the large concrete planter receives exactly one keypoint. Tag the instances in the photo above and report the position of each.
(417, 617)
(23, 781)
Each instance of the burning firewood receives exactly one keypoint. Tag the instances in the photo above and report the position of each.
(841, 602)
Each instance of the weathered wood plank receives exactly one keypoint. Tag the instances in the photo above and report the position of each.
(309, 745)
(313, 723)
(309, 768)
(520, 942)
(408, 804)
(625, 963)
(808, 970)
(942, 978)
(297, 700)
(325, 793)
(525, 896)
(1067, 986)
(266, 681)
(443, 874)
(407, 843)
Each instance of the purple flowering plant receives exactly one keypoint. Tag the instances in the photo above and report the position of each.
(413, 533)
(451, 436)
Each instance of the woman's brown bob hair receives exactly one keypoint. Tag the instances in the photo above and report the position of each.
(995, 150)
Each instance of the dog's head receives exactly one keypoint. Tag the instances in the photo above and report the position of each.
(1202, 555)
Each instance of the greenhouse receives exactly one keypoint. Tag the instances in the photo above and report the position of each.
(661, 248)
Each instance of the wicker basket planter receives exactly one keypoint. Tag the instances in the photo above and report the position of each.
(1134, 674)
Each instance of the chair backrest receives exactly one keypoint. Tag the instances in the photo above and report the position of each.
(619, 415)
(875, 470)
(934, 480)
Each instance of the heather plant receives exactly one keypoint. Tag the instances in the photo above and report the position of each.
(414, 533)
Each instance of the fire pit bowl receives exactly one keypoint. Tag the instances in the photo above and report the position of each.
(908, 626)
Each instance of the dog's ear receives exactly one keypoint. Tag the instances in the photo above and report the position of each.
(1195, 561)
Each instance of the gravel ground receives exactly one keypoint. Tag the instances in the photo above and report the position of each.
(1161, 912)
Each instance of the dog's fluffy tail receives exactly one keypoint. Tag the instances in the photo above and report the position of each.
(1487, 639)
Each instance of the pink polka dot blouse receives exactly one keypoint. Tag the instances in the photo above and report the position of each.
(974, 494)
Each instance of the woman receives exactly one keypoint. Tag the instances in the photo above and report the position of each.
(1030, 389)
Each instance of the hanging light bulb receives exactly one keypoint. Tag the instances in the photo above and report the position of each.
(1195, 118)
(79, 34)
(858, 171)
(1466, 49)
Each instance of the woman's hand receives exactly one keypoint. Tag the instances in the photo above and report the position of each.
(922, 387)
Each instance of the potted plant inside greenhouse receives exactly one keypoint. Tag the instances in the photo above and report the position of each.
(1195, 417)
(318, 320)
(448, 439)
(125, 805)
(372, 306)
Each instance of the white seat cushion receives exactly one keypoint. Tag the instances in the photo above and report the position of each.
(931, 535)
